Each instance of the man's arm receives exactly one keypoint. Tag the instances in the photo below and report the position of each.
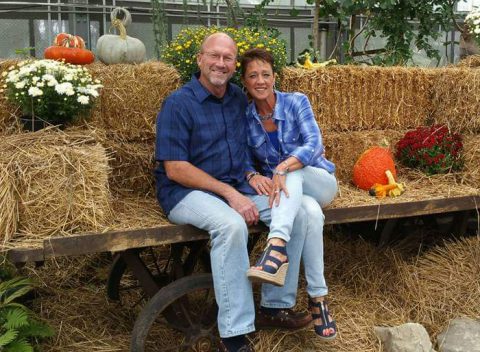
(191, 176)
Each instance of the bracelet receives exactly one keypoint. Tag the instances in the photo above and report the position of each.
(280, 173)
(251, 174)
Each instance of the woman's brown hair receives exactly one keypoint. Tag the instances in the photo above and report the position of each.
(253, 55)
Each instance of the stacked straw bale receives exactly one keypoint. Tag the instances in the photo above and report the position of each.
(456, 100)
(353, 98)
(472, 61)
(471, 173)
(60, 184)
(131, 98)
(132, 166)
(126, 115)
(344, 148)
(8, 112)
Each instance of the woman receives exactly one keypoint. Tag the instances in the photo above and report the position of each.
(286, 144)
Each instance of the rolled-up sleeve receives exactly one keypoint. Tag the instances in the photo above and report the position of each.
(173, 132)
(311, 148)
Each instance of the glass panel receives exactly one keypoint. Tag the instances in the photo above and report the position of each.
(44, 35)
(301, 40)
(15, 36)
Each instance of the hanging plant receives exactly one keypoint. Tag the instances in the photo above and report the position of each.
(117, 49)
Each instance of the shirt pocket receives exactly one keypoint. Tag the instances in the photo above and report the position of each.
(291, 139)
(258, 145)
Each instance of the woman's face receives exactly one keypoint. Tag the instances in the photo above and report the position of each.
(259, 80)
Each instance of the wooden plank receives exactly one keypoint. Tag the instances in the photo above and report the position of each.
(400, 210)
(25, 255)
(121, 240)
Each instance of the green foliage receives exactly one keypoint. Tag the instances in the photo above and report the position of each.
(19, 330)
(182, 51)
(401, 22)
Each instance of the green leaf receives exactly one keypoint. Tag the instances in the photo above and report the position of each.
(37, 329)
(19, 346)
(16, 318)
(294, 12)
(8, 337)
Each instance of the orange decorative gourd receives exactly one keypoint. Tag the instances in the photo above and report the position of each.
(371, 166)
(70, 48)
(69, 41)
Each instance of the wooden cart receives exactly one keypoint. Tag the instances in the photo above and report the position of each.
(180, 291)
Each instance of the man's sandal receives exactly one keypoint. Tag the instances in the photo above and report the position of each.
(268, 273)
(326, 324)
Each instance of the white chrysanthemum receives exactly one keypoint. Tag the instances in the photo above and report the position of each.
(35, 92)
(20, 85)
(476, 30)
(62, 88)
(69, 92)
(83, 99)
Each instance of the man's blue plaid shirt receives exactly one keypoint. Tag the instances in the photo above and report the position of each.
(210, 133)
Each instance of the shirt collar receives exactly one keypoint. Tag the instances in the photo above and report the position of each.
(278, 109)
(202, 93)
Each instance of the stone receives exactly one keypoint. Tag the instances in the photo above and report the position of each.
(461, 335)
(409, 337)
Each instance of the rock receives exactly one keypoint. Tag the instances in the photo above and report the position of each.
(410, 337)
(461, 335)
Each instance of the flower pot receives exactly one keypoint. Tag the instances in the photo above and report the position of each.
(33, 124)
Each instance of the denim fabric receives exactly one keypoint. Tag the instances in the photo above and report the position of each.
(208, 132)
(311, 181)
(298, 134)
(229, 256)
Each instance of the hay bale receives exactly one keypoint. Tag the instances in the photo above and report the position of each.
(344, 148)
(131, 98)
(61, 182)
(132, 166)
(8, 111)
(471, 61)
(8, 205)
(443, 284)
(353, 98)
(455, 101)
(471, 152)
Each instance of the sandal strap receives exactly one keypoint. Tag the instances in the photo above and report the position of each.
(324, 313)
(266, 256)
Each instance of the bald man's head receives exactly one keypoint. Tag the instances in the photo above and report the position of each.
(217, 36)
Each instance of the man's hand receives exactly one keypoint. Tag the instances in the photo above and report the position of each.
(244, 206)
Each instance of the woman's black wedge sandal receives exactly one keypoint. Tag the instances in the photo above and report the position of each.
(268, 273)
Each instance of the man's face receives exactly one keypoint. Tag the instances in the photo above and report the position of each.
(217, 61)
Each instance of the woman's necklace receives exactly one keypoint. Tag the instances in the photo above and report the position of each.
(266, 117)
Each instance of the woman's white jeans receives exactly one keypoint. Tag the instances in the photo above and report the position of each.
(311, 181)
(229, 256)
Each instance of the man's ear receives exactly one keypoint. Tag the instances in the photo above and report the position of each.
(199, 58)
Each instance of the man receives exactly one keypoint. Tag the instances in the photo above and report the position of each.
(201, 147)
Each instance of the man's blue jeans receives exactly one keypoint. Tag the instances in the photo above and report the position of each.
(230, 262)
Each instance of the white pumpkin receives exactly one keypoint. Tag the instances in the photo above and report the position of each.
(117, 49)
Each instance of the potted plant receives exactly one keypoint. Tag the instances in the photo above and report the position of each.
(50, 92)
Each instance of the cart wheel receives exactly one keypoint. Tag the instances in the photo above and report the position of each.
(194, 327)
(166, 265)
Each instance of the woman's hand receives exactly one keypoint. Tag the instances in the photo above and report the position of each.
(279, 185)
(261, 184)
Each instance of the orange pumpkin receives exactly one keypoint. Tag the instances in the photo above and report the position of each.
(76, 56)
(69, 41)
(371, 166)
